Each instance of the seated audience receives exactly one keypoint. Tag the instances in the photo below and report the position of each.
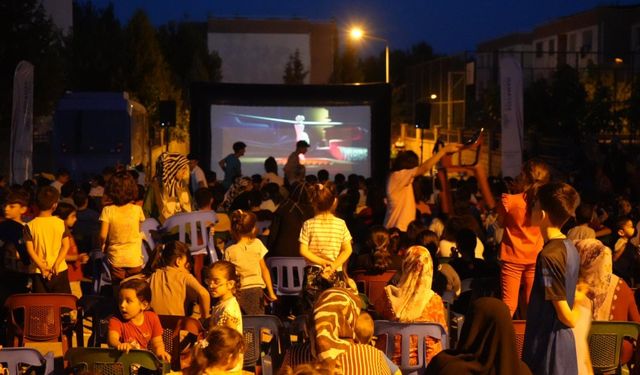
(135, 327)
(335, 316)
(611, 297)
(487, 344)
(173, 287)
(413, 300)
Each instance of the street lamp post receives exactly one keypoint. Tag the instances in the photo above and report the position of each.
(357, 34)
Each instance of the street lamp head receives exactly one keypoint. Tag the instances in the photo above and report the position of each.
(433, 96)
(356, 33)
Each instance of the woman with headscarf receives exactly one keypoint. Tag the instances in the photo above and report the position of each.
(239, 186)
(168, 193)
(413, 300)
(487, 344)
(334, 338)
(610, 295)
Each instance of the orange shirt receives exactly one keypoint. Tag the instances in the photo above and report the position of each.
(521, 242)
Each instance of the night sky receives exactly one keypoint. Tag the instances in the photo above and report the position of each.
(448, 25)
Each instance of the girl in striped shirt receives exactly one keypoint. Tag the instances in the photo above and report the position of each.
(325, 243)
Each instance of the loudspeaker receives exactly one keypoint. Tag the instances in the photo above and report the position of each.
(167, 113)
(423, 115)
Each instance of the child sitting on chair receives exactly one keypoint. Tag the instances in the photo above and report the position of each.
(135, 327)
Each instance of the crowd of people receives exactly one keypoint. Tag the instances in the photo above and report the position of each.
(565, 255)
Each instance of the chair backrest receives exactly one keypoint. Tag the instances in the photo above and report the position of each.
(15, 357)
(299, 328)
(101, 273)
(147, 226)
(405, 330)
(374, 286)
(171, 327)
(605, 343)
(287, 274)
(465, 285)
(112, 361)
(519, 327)
(196, 224)
(42, 316)
(262, 226)
(255, 328)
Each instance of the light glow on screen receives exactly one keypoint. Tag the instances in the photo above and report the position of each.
(339, 137)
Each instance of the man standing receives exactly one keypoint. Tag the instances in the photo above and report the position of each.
(231, 164)
(293, 162)
(197, 179)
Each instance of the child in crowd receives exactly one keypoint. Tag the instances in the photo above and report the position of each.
(136, 327)
(626, 257)
(14, 265)
(247, 254)
(87, 229)
(364, 334)
(582, 230)
(173, 287)
(47, 242)
(325, 243)
(549, 343)
(220, 353)
(120, 235)
(75, 259)
(223, 282)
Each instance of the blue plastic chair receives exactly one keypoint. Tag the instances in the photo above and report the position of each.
(113, 362)
(252, 327)
(101, 273)
(406, 330)
(285, 271)
(197, 225)
(16, 357)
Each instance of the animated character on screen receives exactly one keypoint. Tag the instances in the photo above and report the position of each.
(301, 135)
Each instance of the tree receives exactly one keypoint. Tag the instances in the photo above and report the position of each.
(347, 69)
(147, 74)
(27, 33)
(185, 48)
(96, 56)
(294, 72)
(148, 77)
(568, 99)
(632, 111)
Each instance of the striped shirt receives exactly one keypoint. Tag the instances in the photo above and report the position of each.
(362, 359)
(324, 235)
(298, 354)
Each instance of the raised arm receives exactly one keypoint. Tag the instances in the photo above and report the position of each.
(429, 163)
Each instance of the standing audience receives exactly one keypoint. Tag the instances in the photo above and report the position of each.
(47, 242)
(549, 343)
(120, 233)
(325, 243)
(521, 241)
(231, 165)
(247, 254)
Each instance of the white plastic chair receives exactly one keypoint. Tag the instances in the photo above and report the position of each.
(146, 227)
(196, 224)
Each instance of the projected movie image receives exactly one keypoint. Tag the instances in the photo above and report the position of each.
(339, 136)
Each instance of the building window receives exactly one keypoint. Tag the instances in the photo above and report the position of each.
(587, 42)
(572, 42)
(539, 49)
(552, 47)
(636, 38)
